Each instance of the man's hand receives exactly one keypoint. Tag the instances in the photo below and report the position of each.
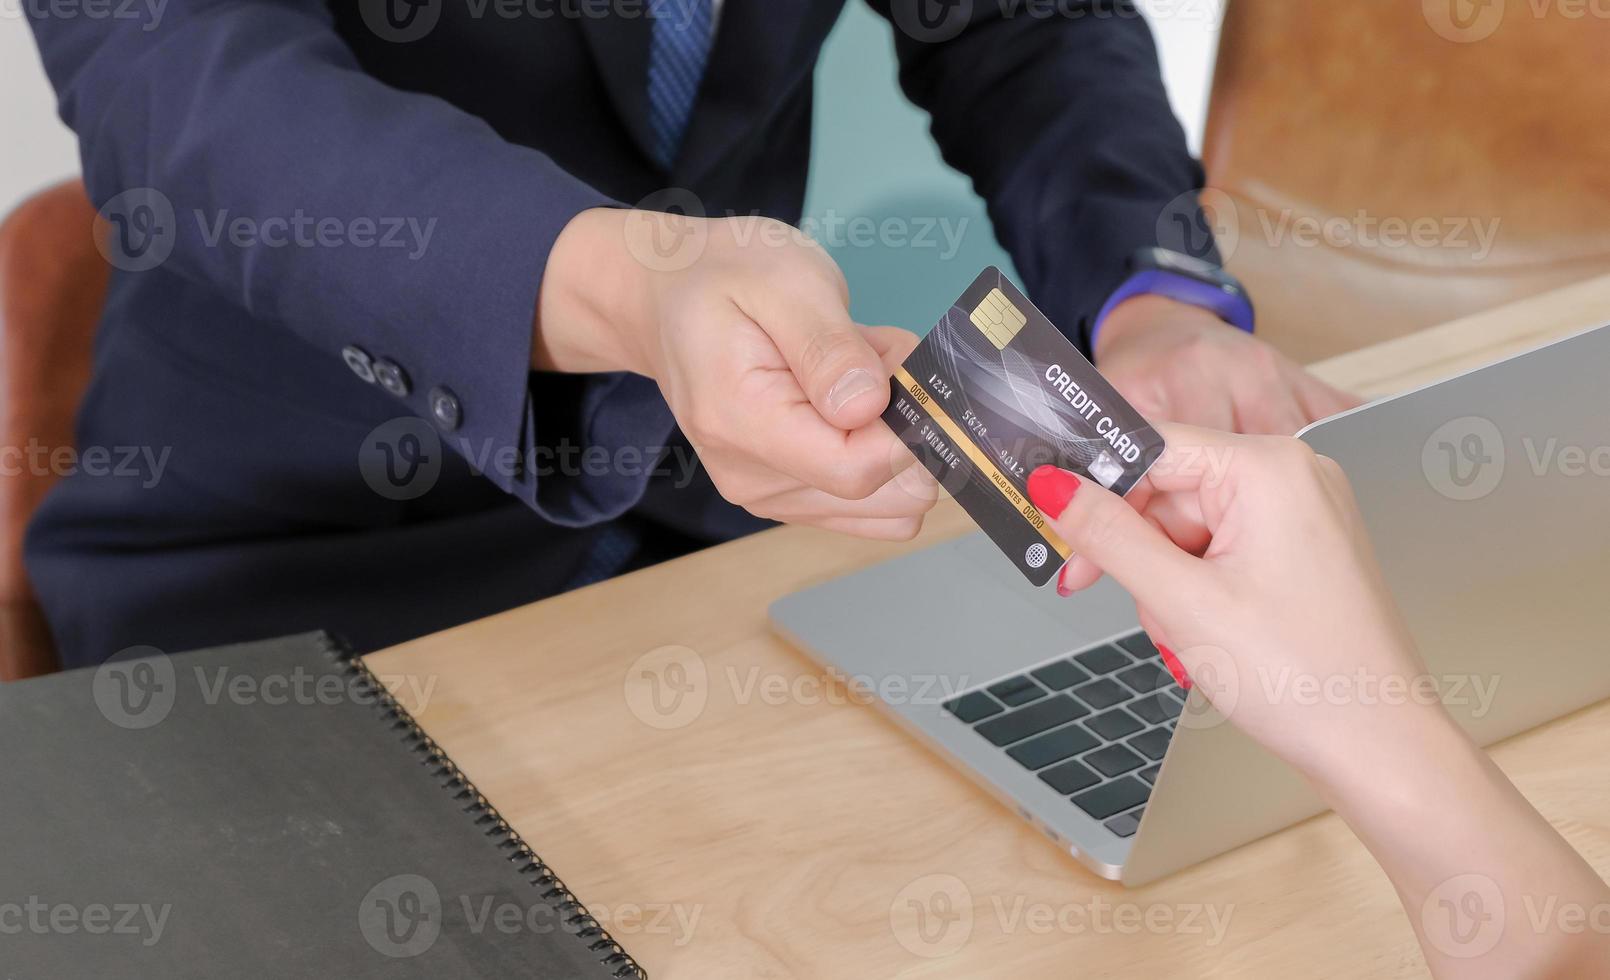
(750, 339)
(1181, 363)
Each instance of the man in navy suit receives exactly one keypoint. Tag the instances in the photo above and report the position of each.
(428, 303)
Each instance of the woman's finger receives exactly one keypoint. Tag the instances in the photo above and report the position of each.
(1177, 515)
(1104, 529)
(1078, 574)
(1192, 457)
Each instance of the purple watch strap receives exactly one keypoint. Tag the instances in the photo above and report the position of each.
(1232, 308)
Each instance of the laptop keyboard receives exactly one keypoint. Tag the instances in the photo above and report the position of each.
(1093, 726)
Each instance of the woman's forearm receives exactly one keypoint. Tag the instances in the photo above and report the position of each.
(1489, 886)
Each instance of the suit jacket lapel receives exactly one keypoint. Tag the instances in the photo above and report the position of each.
(754, 40)
(620, 46)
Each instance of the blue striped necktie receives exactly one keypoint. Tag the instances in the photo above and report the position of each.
(677, 54)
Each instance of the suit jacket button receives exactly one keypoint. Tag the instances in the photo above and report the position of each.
(444, 408)
(392, 377)
(358, 360)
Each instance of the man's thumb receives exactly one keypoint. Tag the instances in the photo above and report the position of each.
(837, 368)
(1101, 527)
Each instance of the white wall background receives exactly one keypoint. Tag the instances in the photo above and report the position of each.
(36, 149)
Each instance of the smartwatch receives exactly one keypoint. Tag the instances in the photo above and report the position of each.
(1160, 272)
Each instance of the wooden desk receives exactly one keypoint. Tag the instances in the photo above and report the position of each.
(805, 832)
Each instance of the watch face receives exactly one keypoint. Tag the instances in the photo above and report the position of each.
(1162, 258)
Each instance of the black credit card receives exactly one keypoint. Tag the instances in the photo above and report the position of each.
(995, 391)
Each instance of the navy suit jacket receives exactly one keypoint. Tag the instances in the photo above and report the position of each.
(281, 358)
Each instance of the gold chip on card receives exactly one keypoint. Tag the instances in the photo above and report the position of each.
(998, 318)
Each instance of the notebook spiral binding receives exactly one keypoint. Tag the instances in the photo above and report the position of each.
(584, 926)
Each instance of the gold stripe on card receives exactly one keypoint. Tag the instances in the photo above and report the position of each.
(985, 465)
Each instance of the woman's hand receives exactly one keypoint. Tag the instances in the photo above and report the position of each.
(1249, 562)
(1248, 559)
(745, 325)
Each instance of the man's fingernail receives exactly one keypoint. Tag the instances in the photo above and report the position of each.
(1175, 667)
(854, 384)
(1050, 489)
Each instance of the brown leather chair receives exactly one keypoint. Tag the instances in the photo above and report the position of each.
(1444, 111)
(52, 286)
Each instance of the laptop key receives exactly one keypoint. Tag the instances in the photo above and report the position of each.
(1070, 777)
(1061, 675)
(1145, 678)
(1150, 774)
(1102, 660)
(1125, 824)
(1032, 720)
(1103, 693)
(973, 707)
(1155, 708)
(1115, 724)
(1015, 691)
(1115, 797)
(1139, 646)
(1054, 746)
(1152, 744)
(1114, 760)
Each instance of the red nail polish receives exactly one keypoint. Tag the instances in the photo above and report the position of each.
(1050, 489)
(1175, 667)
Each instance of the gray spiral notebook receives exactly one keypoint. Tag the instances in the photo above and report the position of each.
(265, 809)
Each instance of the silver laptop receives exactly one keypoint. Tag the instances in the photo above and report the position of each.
(1488, 499)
